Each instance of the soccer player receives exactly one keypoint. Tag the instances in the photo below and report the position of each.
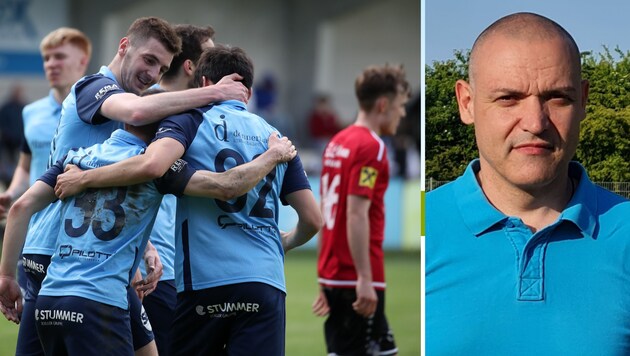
(84, 293)
(354, 179)
(65, 53)
(229, 254)
(524, 254)
(160, 304)
(97, 105)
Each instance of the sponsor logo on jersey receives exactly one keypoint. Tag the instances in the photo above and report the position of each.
(178, 165)
(227, 309)
(69, 251)
(249, 139)
(224, 221)
(334, 150)
(32, 265)
(104, 90)
(221, 130)
(368, 177)
(162, 130)
(57, 316)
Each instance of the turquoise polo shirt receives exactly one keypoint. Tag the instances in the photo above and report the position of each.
(495, 288)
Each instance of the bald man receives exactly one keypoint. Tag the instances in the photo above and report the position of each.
(524, 254)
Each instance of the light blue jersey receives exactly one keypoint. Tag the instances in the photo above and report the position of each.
(40, 118)
(105, 231)
(217, 242)
(493, 287)
(163, 237)
(81, 125)
(163, 234)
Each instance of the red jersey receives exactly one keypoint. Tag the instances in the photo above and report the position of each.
(354, 163)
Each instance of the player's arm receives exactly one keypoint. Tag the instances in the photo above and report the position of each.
(358, 227)
(320, 305)
(19, 184)
(159, 157)
(33, 200)
(243, 178)
(141, 110)
(309, 219)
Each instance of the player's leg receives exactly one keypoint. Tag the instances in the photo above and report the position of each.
(259, 320)
(199, 326)
(387, 343)
(141, 331)
(348, 333)
(79, 326)
(35, 267)
(160, 307)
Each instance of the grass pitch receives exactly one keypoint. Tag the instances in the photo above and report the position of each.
(305, 331)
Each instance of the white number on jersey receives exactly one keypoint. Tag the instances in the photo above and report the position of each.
(330, 198)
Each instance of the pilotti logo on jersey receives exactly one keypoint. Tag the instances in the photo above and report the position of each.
(67, 251)
(225, 310)
(57, 317)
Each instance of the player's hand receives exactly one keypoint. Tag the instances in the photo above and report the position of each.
(154, 270)
(137, 279)
(285, 238)
(5, 204)
(10, 299)
(282, 147)
(365, 305)
(320, 305)
(231, 88)
(69, 182)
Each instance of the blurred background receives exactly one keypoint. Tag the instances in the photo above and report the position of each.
(306, 54)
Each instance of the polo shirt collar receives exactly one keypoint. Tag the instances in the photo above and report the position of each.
(582, 208)
(477, 212)
(479, 215)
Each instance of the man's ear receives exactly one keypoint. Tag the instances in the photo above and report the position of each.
(205, 81)
(189, 67)
(381, 104)
(464, 93)
(123, 45)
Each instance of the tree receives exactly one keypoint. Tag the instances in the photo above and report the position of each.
(450, 144)
(604, 147)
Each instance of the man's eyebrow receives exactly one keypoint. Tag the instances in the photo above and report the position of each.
(557, 90)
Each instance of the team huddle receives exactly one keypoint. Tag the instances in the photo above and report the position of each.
(150, 224)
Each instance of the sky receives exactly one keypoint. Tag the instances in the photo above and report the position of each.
(454, 24)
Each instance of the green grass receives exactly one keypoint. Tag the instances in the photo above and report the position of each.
(305, 331)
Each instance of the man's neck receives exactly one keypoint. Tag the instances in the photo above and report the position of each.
(60, 93)
(368, 120)
(176, 84)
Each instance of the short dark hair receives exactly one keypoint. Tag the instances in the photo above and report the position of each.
(192, 37)
(376, 81)
(144, 28)
(219, 61)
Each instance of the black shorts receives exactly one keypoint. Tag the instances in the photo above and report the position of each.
(160, 307)
(236, 319)
(34, 267)
(348, 333)
(79, 326)
(141, 331)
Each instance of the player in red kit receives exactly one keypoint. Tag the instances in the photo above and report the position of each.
(354, 179)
